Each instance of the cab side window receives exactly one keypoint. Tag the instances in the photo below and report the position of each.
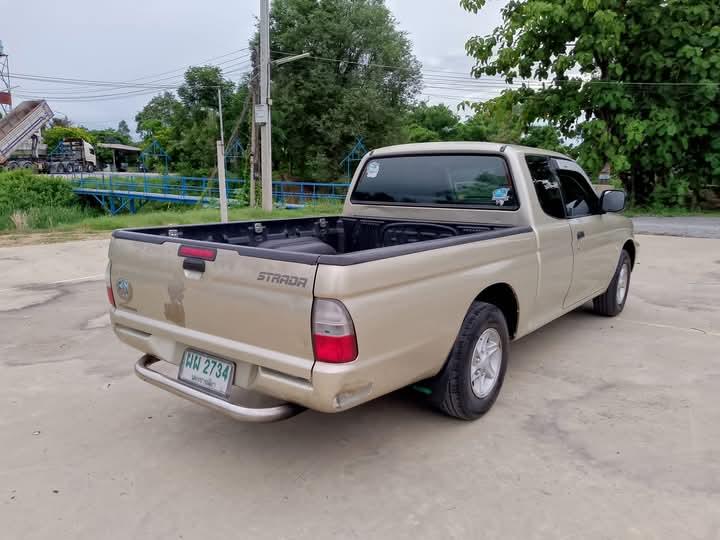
(547, 186)
(579, 198)
(563, 193)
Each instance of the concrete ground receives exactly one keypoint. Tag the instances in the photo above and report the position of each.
(691, 226)
(605, 428)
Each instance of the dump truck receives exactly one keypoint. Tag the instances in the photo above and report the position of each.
(443, 255)
(20, 126)
(21, 145)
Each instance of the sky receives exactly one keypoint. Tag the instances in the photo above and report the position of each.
(124, 41)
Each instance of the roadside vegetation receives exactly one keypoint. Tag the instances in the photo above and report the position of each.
(31, 203)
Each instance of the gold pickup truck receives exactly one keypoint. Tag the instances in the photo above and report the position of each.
(444, 253)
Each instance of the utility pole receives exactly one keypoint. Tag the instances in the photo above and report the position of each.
(222, 129)
(264, 108)
(221, 182)
(253, 143)
(222, 186)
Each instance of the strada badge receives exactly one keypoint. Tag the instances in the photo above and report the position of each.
(282, 279)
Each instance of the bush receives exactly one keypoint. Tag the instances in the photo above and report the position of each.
(674, 193)
(22, 190)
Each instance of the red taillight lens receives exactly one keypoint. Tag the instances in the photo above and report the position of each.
(111, 296)
(335, 349)
(333, 332)
(207, 254)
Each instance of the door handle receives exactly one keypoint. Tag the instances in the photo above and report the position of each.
(580, 235)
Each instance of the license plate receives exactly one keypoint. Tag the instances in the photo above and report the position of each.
(206, 372)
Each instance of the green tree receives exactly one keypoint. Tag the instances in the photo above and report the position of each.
(432, 123)
(187, 126)
(361, 81)
(199, 92)
(636, 80)
(52, 136)
(124, 130)
(157, 119)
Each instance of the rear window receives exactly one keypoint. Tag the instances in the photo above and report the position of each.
(467, 180)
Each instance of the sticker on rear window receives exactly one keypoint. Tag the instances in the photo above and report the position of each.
(501, 195)
(373, 169)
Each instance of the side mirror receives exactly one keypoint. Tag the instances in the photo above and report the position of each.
(612, 200)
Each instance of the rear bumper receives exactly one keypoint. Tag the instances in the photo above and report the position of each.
(264, 373)
(234, 410)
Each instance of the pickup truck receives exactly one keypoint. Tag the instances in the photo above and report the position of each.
(443, 254)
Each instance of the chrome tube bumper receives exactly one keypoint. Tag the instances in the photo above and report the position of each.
(238, 412)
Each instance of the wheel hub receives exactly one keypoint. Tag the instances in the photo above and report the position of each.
(485, 363)
(622, 284)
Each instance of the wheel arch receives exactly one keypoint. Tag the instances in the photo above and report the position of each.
(503, 296)
(629, 246)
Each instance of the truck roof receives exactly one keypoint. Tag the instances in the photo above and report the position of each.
(460, 146)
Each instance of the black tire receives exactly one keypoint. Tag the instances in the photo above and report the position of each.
(608, 304)
(70, 168)
(452, 389)
(90, 168)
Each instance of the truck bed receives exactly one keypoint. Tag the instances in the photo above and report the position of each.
(24, 120)
(334, 240)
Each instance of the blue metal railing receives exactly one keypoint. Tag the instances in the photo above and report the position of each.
(192, 190)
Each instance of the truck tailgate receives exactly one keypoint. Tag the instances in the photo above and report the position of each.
(258, 306)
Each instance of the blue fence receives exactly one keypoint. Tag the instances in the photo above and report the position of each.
(117, 192)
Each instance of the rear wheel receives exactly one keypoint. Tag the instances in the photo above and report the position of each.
(70, 168)
(612, 301)
(472, 377)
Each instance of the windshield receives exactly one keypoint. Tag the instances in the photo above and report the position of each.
(468, 180)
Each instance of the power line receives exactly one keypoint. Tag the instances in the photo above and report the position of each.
(199, 63)
(237, 68)
(243, 61)
(523, 81)
(106, 97)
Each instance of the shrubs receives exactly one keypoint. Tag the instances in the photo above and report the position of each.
(22, 190)
(29, 201)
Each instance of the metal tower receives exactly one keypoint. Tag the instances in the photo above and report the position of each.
(5, 97)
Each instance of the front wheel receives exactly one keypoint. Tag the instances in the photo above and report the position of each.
(612, 301)
(470, 382)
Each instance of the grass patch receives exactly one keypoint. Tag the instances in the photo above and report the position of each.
(44, 218)
(79, 220)
(670, 212)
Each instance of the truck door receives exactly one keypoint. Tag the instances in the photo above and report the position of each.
(554, 242)
(594, 250)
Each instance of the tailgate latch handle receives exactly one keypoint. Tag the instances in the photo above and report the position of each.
(196, 265)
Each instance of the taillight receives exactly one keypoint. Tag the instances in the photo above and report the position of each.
(108, 286)
(333, 332)
(207, 254)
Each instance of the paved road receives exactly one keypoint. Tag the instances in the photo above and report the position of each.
(696, 227)
(606, 429)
